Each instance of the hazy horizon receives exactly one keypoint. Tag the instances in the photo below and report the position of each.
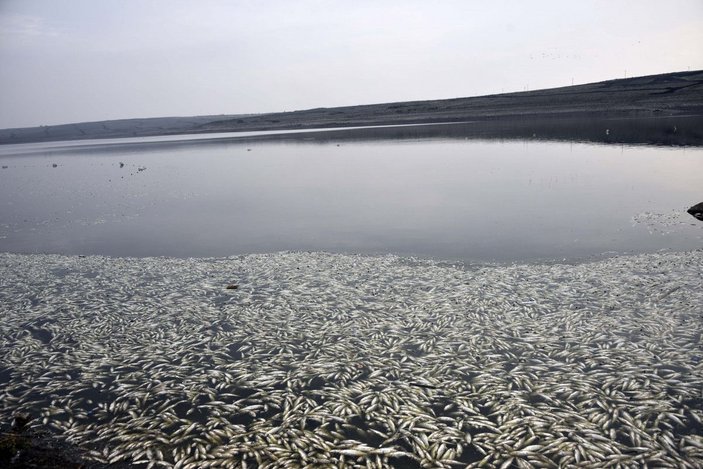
(78, 61)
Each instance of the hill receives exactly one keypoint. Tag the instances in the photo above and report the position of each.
(664, 95)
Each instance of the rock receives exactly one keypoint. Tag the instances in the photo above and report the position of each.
(54, 165)
(232, 287)
(697, 211)
(121, 164)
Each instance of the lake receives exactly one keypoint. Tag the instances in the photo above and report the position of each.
(435, 191)
(299, 359)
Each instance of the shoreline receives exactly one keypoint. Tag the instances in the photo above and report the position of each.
(410, 258)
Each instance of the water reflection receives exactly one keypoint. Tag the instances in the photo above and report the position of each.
(665, 131)
(670, 131)
(428, 191)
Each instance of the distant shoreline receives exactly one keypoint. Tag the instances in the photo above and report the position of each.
(670, 131)
(676, 94)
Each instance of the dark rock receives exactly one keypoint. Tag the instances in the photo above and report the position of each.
(697, 211)
(121, 164)
(54, 165)
(232, 287)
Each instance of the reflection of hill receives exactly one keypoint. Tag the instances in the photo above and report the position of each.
(668, 95)
(671, 131)
(654, 131)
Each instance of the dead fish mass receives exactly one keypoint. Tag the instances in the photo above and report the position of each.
(330, 360)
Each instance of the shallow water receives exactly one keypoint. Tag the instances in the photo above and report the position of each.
(426, 194)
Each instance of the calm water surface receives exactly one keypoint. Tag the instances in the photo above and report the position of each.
(443, 197)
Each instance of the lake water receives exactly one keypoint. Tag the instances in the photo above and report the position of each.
(433, 193)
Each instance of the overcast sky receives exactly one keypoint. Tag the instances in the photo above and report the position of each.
(79, 60)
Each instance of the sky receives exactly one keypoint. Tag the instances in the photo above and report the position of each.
(64, 61)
